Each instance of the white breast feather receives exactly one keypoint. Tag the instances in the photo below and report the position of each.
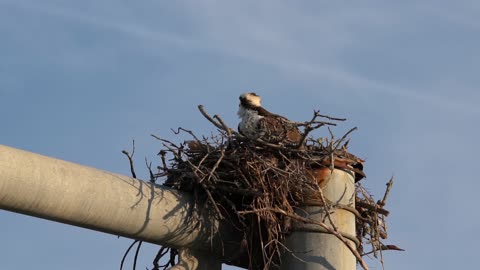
(249, 123)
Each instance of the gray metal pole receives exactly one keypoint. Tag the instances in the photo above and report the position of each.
(61, 191)
(321, 251)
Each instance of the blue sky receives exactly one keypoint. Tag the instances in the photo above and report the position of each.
(80, 79)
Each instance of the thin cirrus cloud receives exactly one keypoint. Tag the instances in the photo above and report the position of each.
(264, 38)
(127, 28)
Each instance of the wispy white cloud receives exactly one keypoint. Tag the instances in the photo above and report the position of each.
(126, 27)
(308, 46)
(296, 41)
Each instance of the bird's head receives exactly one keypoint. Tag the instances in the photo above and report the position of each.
(250, 99)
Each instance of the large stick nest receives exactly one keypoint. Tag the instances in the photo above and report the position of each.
(258, 186)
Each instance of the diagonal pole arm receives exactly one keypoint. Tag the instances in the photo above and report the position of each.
(65, 192)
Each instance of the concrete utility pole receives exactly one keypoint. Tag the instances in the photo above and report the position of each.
(61, 191)
(321, 251)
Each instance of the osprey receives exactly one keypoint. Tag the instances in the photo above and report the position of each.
(258, 123)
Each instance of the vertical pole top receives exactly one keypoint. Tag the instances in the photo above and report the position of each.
(313, 250)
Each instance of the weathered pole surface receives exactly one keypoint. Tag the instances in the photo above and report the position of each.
(322, 251)
(61, 191)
